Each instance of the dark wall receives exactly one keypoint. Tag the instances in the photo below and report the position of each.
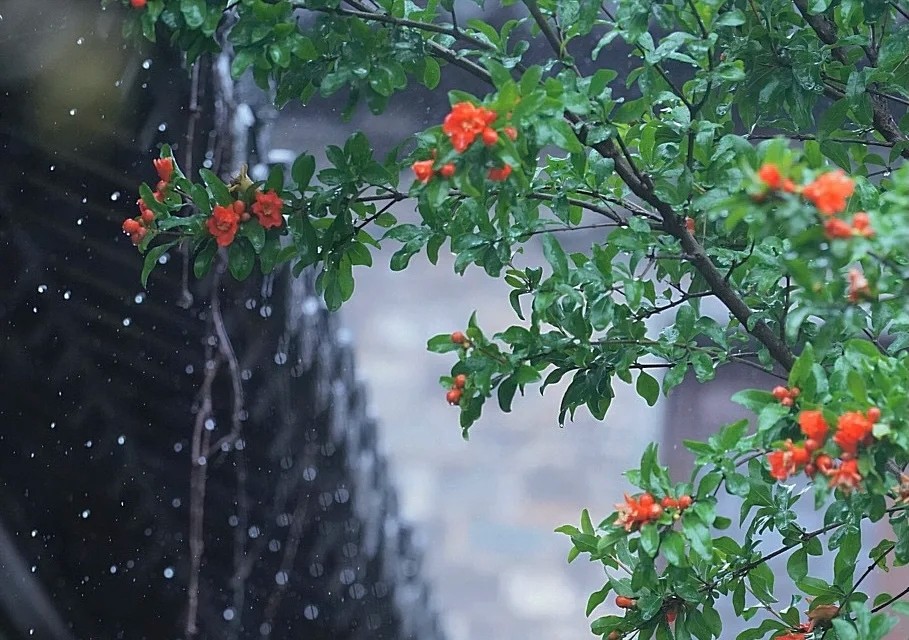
(102, 386)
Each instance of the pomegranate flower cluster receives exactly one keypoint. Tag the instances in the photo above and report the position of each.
(225, 221)
(853, 430)
(463, 126)
(829, 192)
(137, 228)
(636, 512)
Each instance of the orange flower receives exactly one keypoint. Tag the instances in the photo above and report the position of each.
(852, 429)
(223, 225)
(792, 635)
(165, 168)
(498, 175)
(830, 191)
(511, 132)
(858, 286)
(862, 224)
(637, 511)
(447, 170)
(267, 208)
(770, 175)
(785, 463)
(836, 228)
(813, 425)
(465, 123)
(846, 476)
(138, 4)
(423, 170)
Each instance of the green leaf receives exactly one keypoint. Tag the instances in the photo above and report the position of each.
(797, 565)
(505, 393)
(597, 598)
(217, 187)
(442, 344)
(193, 12)
(555, 255)
(241, 257)
(698, 535)
(151, 259)
(586, 523)
(253, 231)
(432, 74)
(302, 170)
(204, 257)
(674, 549)
(275, 180)
(648, 388)
(650, 539)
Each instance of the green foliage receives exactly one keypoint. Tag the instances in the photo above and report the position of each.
(705, 169)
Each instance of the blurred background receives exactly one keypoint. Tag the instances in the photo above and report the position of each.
(349, 506)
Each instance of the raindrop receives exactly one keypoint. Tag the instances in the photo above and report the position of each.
(162, 127)
(274, 546)
(253, 532)
(34, 532)
(311, 612)
(281, 578)
(113, 568)
(118, 83)
(280, 357)
(228, 614)
(88, 444)
(146, 64)
(80, 41)
(265, 311)
(140, 298)
(42, 288)
(86, 514)
(309, 474)
(53, 425)
(80, 221)
(264, 629)
(240, 444)
(178, 447)
(52, 167)
(72, 112)
(67, 295)
(127, 322)
(163, 259)
(176, 502)
(246, 374)
(233, 521)
(169, 573)
(201, 461)
(209, 425)
(189, 369)
(121, 440)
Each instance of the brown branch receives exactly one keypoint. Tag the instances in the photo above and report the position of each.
(197, 481)
(883, 119)
(675, 226)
